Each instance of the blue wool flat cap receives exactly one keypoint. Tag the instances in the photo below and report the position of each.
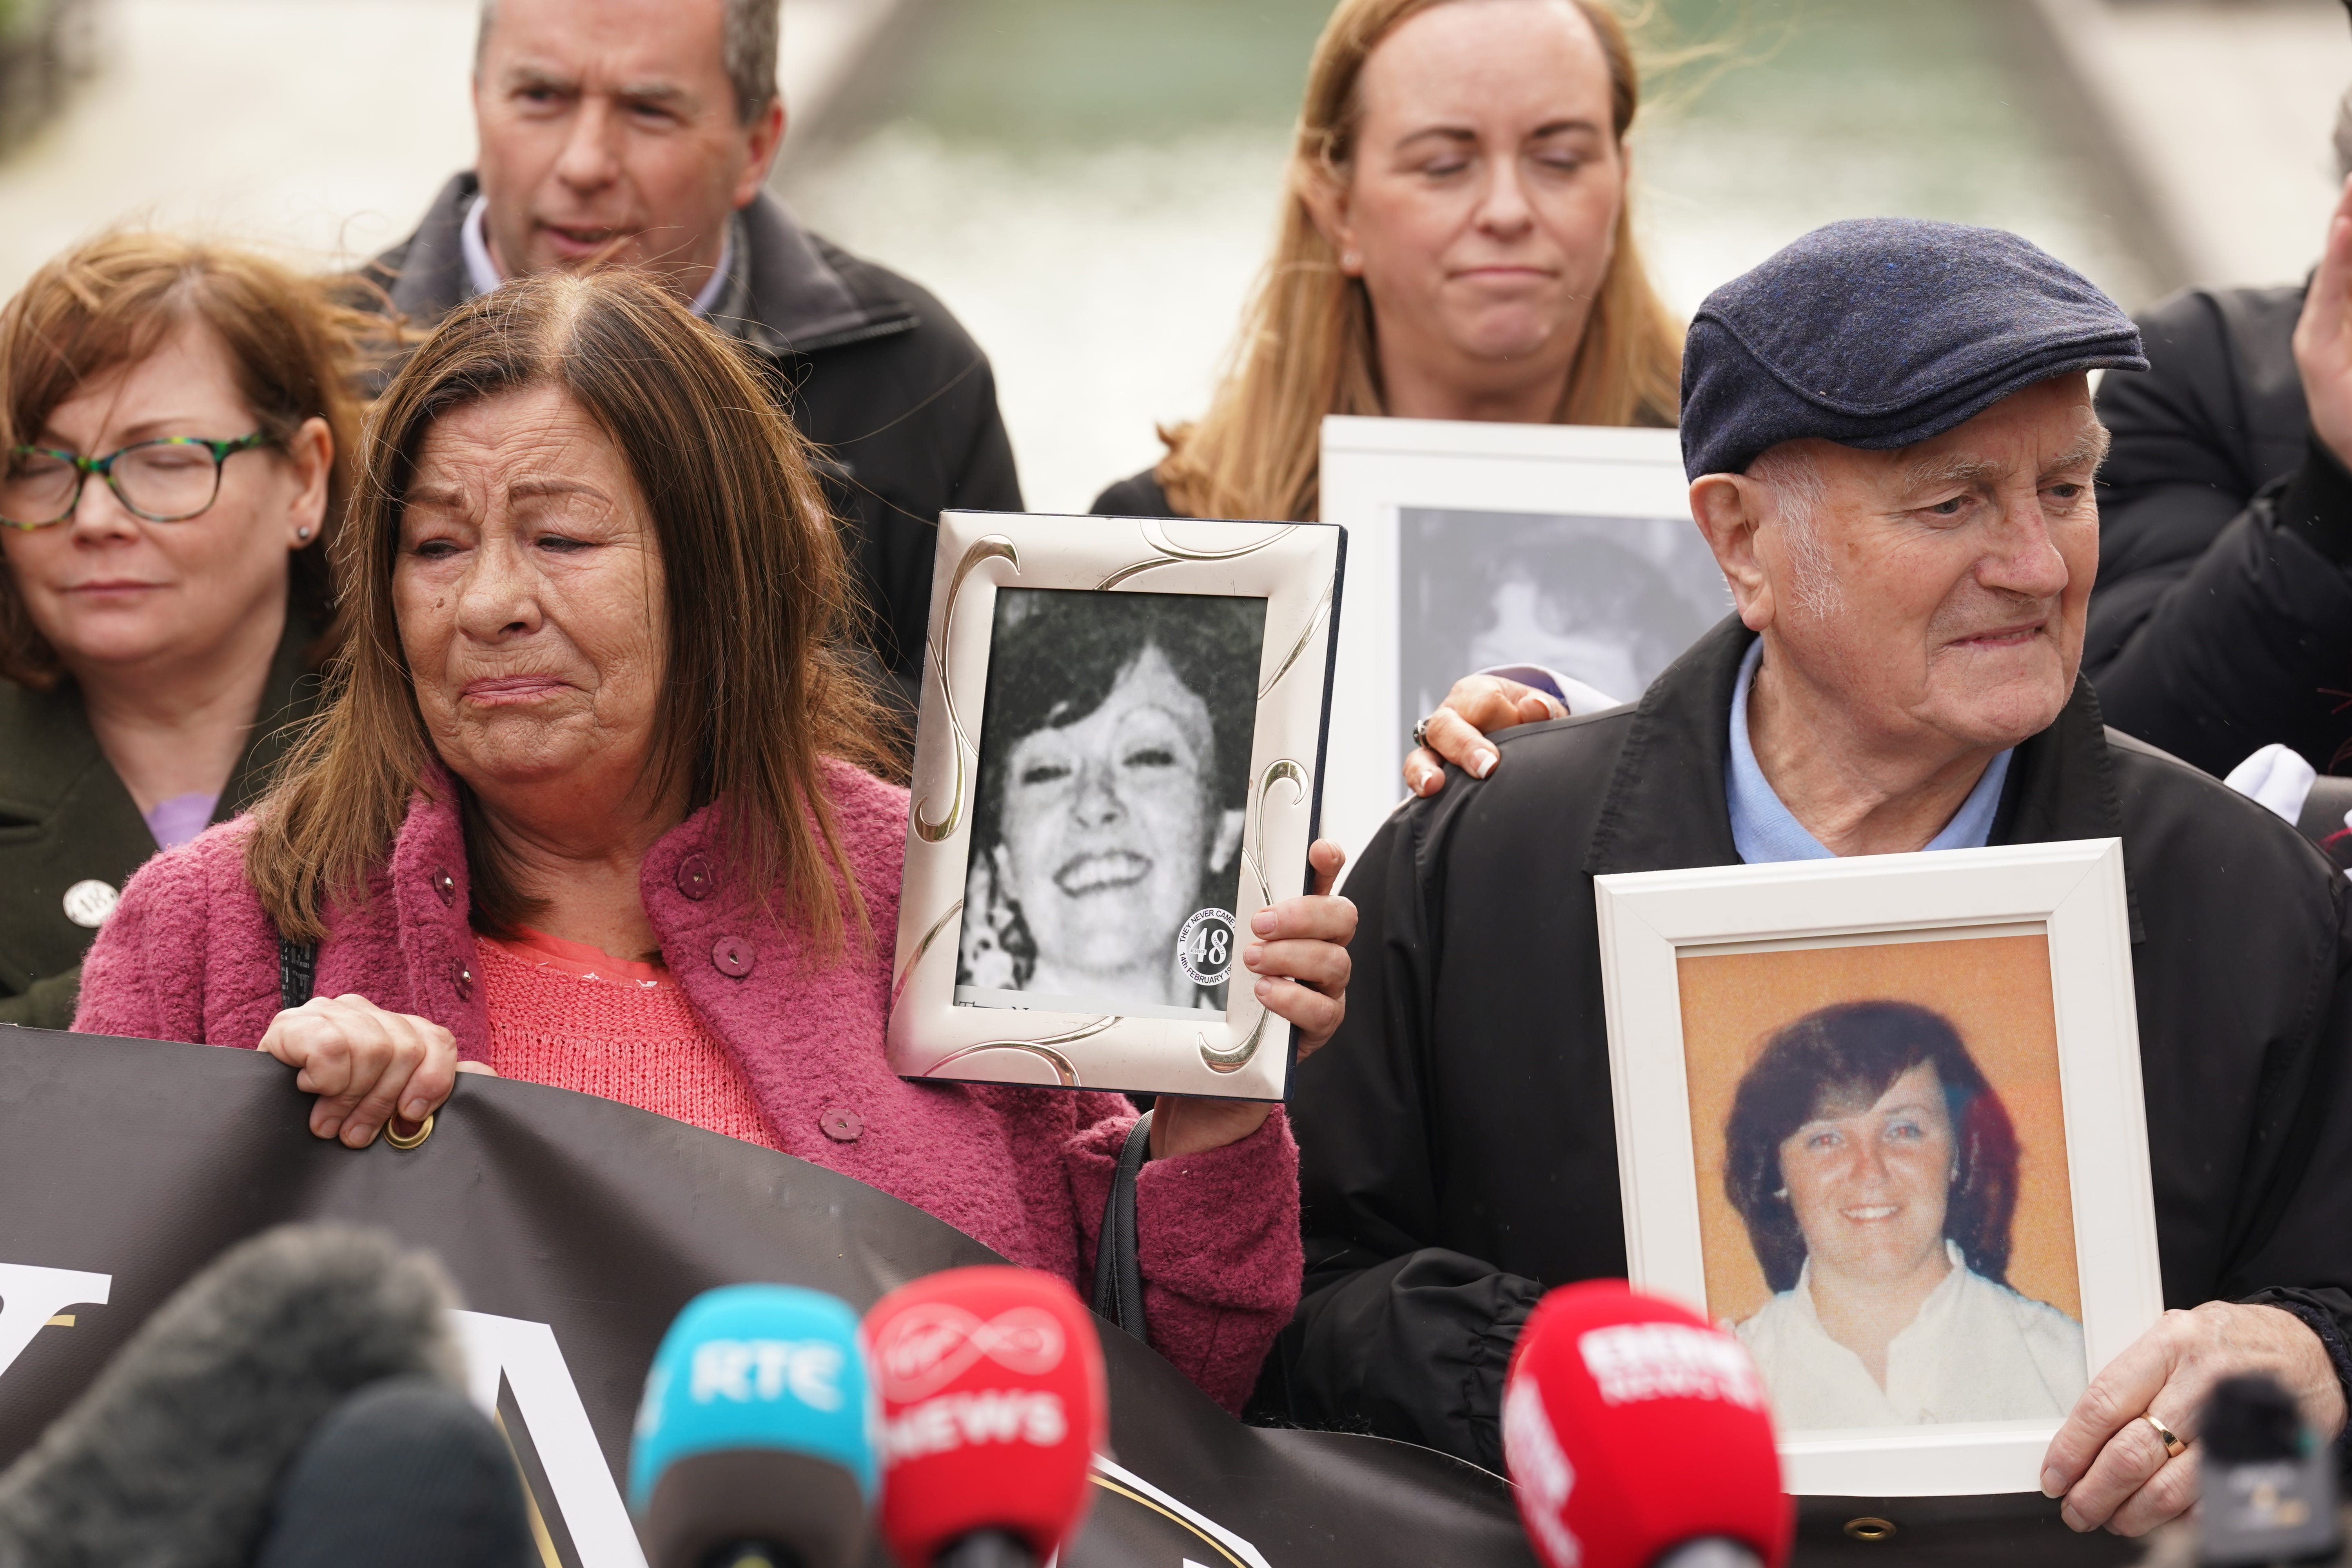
(1877, 332)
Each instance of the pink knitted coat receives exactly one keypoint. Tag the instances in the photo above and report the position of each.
(189, 955)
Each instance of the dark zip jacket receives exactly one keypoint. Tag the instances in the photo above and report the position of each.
(1459, 1151)
(66, 819)
(2222, 618)
(899, 401)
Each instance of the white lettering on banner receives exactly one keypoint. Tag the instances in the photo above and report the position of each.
(30, 1297)
(999, 1415)
(1532, 1453)
(926, 1348)
(527, 1357)
(1633, 1362)
(743, 1370)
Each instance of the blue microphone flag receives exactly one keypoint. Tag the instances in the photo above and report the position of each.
(751, 1367)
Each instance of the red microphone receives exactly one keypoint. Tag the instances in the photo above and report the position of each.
(1639, 1438)
(992, 1406)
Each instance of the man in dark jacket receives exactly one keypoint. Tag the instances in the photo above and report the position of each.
(641, 131)
(1910, 541)
(2223, 621)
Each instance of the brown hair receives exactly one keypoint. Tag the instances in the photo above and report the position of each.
(110, 303)
(1306, 346)
(758, 684)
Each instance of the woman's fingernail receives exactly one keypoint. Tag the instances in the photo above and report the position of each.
(2051, 1482)
(330, 1127)
(1252, 953)
(1482, 763)
(414, 1111)
(1262, 923)
(1265, 989)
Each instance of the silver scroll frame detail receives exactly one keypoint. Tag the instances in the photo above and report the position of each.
(1065, 1072)
(993, 547)
(1155, 533)
(1280, 770)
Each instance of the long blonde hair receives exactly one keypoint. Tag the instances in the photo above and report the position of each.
(1306, 344)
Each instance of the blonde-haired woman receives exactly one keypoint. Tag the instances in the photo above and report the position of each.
(1456, 243)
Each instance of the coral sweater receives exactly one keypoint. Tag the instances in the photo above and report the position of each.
(572, 1017)
(189, 955)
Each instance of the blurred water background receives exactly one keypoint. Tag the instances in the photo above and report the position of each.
(1091, 185)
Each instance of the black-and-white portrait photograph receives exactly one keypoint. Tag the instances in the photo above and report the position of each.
(1107, 824)
(1609, 601)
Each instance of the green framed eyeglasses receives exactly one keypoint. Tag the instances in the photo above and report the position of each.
(167, 480)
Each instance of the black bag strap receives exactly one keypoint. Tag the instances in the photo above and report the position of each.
(1119, 1265)
(298, 972)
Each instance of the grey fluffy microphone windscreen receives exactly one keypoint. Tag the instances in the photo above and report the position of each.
(170, 1457)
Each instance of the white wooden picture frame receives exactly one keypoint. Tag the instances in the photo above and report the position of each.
(2073, 893)
(1378, 475)
(944, 1025)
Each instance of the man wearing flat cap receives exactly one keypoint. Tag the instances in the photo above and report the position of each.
(1890, 439)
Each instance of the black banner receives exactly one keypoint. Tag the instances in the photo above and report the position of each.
(576, 1227)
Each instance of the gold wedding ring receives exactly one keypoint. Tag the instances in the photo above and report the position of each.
(2173, 1447)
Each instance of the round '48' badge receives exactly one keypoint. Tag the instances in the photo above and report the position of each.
(1205, 948)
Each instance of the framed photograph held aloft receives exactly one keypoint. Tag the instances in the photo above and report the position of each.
(1117, 765)
(1473, 545)
(1882, 1117)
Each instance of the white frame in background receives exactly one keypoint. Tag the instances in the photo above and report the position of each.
(2073, 893)
(1297, 569)
(1375, 468)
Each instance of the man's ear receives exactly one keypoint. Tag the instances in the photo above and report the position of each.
(1728, 509)
(767, 134)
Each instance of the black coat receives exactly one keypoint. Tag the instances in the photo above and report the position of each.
(1459, 1151)
(65, 817)
(1137, 495)
(870, 367)
(2222, 618)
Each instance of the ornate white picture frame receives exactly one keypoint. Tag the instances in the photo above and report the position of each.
(2069, 895)
(1278, 581)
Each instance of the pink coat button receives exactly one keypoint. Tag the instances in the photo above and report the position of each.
(446, 885)
(461, 979)
(731, 955)
(842, 1126)
(694, 878)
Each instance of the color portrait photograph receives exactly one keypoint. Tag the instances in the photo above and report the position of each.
(1884, 1196)
(1106, 825)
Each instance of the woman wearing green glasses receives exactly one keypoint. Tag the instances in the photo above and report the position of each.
(173, 421)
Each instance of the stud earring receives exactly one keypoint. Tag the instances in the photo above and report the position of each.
(302, 532)
(1351, 261)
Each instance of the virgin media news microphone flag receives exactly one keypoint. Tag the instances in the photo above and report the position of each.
(576, 1230)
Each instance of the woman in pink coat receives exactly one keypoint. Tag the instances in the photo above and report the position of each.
(588, 807)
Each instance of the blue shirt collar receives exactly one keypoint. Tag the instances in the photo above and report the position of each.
(1764, 830)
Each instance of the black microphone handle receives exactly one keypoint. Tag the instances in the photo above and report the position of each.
(752, 1555)
(1708, 1551)
(986, 1549)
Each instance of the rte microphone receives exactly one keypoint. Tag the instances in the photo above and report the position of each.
(1639, 1438)
(2269, 1488)
(755, 1440)
(993, 1403)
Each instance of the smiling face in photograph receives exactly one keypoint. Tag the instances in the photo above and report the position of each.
(529, 592)
(1107, 831)
(1869, 1183)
